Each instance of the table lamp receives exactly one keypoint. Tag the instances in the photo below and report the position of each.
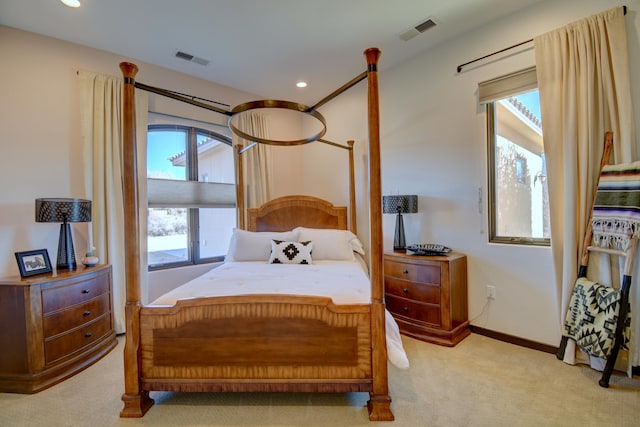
(399, 205)
(64, 211)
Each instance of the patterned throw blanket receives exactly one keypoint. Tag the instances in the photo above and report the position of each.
(616, 212)
(592, 318)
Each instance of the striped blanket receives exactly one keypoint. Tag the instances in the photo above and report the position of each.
(616, 212)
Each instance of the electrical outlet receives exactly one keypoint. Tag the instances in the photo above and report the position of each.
(491, 292)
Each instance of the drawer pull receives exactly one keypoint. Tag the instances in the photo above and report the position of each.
(406, 309)
(86, 291)
(405, 271)
(88, 335)
(86, 313)
(405, 290)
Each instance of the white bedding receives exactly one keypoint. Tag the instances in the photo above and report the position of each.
(345, 282)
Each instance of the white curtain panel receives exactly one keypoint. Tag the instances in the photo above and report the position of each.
(257, 160)
(583, 79)
(101, 119)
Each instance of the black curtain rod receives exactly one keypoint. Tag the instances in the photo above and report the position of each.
(459, 67)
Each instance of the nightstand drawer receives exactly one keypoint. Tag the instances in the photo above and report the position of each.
(57, 298)
(75, 316)
(67, 344)
(424, 273)
(413, 310)
(413, 291)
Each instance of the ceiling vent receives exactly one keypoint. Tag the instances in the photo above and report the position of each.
(191, 58)
(418, 29)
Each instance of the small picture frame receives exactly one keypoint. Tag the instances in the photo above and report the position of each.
(35, 262)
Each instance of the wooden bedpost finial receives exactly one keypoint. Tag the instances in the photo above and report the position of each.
(372, 54)
(128, 69)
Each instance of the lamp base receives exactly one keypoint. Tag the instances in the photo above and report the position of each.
(70, 266)
(66, 253)
(399, 243)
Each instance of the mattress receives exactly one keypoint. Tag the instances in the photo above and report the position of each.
(345, 282)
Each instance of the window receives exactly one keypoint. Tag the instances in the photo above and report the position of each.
(517, 186)
(521, 170)
(191, 191)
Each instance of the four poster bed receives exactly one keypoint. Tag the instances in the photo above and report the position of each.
(258, 341)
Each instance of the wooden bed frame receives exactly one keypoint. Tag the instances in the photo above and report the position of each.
(258, 343)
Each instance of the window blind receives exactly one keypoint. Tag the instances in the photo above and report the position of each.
(504, 86)
(168, 193)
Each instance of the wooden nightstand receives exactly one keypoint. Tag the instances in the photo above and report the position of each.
(427, 295)
(53, 326)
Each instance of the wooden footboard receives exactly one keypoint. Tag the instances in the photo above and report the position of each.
(256, 343)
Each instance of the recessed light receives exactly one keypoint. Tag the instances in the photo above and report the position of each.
(301, 84)
(71, 3)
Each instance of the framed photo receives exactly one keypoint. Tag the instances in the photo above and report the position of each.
(35, 262)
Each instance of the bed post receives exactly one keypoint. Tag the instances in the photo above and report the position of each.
(379, 404)
(352, 189)
(136, 401)
(240, 188)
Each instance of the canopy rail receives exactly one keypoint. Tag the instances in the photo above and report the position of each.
(193, 100)
(242, 149)
(335, 144)
(268, 103)
(285, 105)
(341, 89)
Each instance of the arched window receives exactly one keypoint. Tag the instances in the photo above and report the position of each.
(191, 193)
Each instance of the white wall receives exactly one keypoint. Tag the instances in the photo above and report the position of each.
(434, 145)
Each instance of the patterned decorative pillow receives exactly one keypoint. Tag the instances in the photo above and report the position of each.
(286, 252)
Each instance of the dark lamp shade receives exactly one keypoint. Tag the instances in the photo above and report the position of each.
(400, 204)
(63, 210)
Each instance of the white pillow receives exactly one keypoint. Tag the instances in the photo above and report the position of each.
(330, 244)
(283, 252)
(357, 245)
(254, 245)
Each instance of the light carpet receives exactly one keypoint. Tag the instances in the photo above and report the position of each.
(479, 382)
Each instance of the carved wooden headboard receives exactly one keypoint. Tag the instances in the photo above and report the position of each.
(286, 213)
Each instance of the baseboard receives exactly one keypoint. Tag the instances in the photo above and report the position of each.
(513, 340)
(635, 370)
